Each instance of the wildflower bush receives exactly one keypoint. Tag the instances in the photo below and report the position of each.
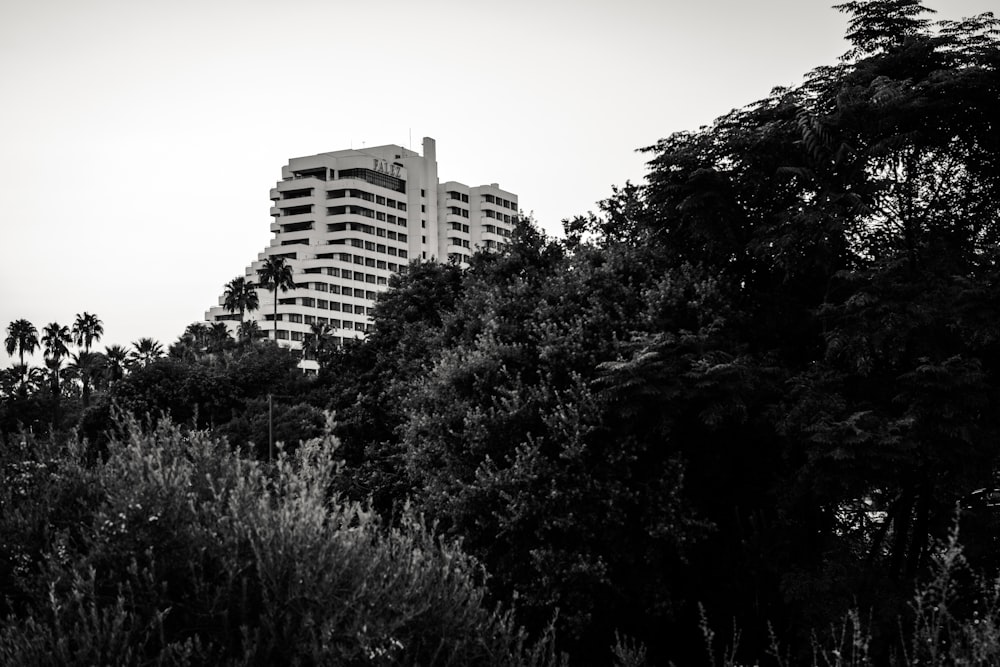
(177, 549)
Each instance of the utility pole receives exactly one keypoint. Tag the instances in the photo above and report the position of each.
(270, 429)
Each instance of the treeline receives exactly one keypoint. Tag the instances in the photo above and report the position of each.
(760, 389)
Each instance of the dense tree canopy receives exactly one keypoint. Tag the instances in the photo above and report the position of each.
(758, 388)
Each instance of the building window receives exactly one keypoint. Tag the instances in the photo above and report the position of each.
(282, 334)
(375, 178)
(297, 336)
(295, 318)
(322, 303)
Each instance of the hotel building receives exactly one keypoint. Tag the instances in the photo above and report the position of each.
(347, 220)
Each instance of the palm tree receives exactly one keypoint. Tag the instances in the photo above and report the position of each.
(22, 336)
(198, 334)
(218, 337)
(241, 295)
(87, 366)
(318, 341)
(35, 379)
(145, 351)
(10, 380)
(87, 330)
(249, 331)
(55, 338)
(116, 359)
(192, 343)
(274, 275)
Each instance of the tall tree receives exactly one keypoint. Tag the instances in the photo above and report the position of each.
(88, 366)
(116, 363)
(241, 295)
(218, 337)
(87, 330)
(276, 274)
(249, 331)
(21, 337)
(318, 343)
(145, 351)
(55, 339)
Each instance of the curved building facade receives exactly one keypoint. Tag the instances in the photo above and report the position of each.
(347, 220)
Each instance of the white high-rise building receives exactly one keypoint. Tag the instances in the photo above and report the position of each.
(347, 220)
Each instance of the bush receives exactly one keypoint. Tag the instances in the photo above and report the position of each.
(187, 552)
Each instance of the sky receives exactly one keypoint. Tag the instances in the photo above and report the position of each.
(139, 139)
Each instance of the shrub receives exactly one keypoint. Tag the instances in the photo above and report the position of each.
(187, 552)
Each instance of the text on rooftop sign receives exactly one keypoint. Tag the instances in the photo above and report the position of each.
(385, 167)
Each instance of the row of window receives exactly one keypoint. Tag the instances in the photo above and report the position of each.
(500, 202)
(371, 247)
(455, 210)
(323, 304)
(301, 318)
(455, 241)
(297, 210)
(313, 319)
(299, 336)
(338, 289)
(497, 216)
(367, 213)
(365, 277)
(367, 196)
(367, 229)
(499, 231)
(375, 178)
(458, 196)
(315, 172)
(336, 272)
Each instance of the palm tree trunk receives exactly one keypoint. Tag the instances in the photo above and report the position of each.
(275, 314)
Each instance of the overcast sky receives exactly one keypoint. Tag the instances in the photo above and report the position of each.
(139, 139)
